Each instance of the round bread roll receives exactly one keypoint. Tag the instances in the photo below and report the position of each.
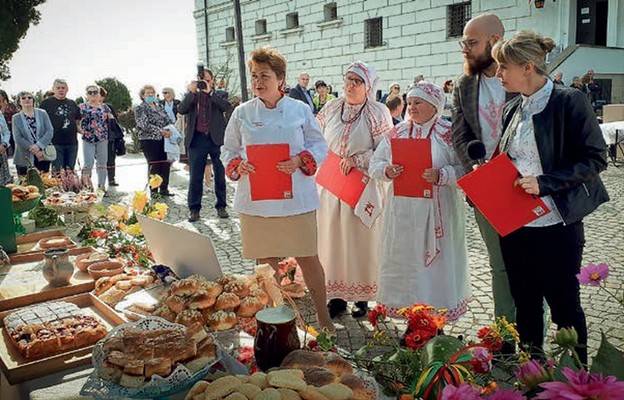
(165, 313)
(249, 306)
(221, 320)
(239, 287)
(201, 301)
(225, 279)
(359, 388)
(227, 301)
(189, 317)
(185, 287)
(317, 376)
(211, 288)
(255, 291)
(268, 394)
(338, 365)
(175, 303)
(198, 388)
(303, 359)
(337, 391)
(55, 242)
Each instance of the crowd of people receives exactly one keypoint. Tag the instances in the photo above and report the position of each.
(387, 248)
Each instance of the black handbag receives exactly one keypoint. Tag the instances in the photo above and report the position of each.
(120, 147)
(114, 130)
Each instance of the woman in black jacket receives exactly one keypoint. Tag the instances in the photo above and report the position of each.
(552, 136)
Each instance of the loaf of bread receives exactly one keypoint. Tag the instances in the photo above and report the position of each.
(50, 328)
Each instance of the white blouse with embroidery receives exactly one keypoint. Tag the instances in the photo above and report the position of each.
(523, 148)
(291, 122)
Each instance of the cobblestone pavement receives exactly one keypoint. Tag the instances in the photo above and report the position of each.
(604, 231)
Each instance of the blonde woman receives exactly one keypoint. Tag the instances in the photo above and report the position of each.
(552, 136)
(94, 123)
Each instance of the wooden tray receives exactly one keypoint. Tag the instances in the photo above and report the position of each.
(18, 369)
(22, 283)
(149, 295)
(26, 243)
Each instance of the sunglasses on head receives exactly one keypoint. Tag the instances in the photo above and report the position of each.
(92, 92)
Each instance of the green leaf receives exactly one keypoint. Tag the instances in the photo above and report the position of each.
(566, 360)
(608, 360)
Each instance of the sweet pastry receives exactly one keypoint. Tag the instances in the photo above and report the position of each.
(287, 378)
(227, 301)
(249, 306)
(175, 303)
(132, 381)
(189, 317)
(203, 357)
(201, 300)
(50, 328)
(356, 384)
(239, 287)
(288, 394)
(185, 287)
(197, 389)
(221, 320)
(269, 394)
(103, 284)
(211, 288)
(165, 313)
(158, 366)
(113, 295)
(312, 393)
(249, 390)
(338, 365)
(124, 285)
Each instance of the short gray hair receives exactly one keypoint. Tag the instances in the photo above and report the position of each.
(144, 88)
(59, 81)
(168, 89)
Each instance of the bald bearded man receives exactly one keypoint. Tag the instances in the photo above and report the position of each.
(478, 101)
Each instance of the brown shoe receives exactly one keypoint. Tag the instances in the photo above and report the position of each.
(222, 213)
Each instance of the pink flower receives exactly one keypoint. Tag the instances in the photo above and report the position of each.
(507, 394)
(593, 274)
(583, 385)
(465, 391)
(482, 361)
(532, 373)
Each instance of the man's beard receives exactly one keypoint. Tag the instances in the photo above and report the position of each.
(480, 63)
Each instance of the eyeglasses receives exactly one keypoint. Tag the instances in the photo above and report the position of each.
(26, 97)
(92, 92)
(353, 81)
(468, 44)
(165, 92)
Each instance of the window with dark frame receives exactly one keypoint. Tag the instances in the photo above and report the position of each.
(330, 11)
(373, 32)
(457, 15)
(261, 27)
(292, 20)
(230, 35)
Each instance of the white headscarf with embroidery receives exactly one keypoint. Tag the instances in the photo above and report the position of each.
(368, 75)
(431, 93)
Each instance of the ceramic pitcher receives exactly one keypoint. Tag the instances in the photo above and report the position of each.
(276, 336)
(57, 269)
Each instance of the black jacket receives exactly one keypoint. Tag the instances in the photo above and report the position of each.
(176, 103)
(572, 152)
(297, 94)
(188, 106)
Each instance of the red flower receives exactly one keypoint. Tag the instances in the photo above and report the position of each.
(417, 339)
(483, 332)
(490, 338)
(377, 314)
(99, 233)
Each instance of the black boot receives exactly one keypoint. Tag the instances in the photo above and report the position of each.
(360, 308)
(336, 306)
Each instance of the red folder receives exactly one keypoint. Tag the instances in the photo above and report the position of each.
(268, 183)
(414, 155)
(490, 188)
(347, 188)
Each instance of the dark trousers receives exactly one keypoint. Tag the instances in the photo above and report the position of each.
(542, 263)
(201, 146)
(154, 151)
(42, 166)
(110, 162)
(65, 156)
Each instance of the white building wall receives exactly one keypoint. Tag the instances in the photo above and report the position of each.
(414, 32)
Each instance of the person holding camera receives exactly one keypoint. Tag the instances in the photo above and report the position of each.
(204, 107)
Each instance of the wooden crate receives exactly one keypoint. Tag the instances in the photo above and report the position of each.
(22, 282)
(16, 368)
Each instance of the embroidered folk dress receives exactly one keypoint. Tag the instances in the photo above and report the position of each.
(423, 245)
(348, 239)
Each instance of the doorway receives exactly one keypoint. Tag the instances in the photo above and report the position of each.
(591, 22)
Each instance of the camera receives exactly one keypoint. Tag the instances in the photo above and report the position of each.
(201, 85)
